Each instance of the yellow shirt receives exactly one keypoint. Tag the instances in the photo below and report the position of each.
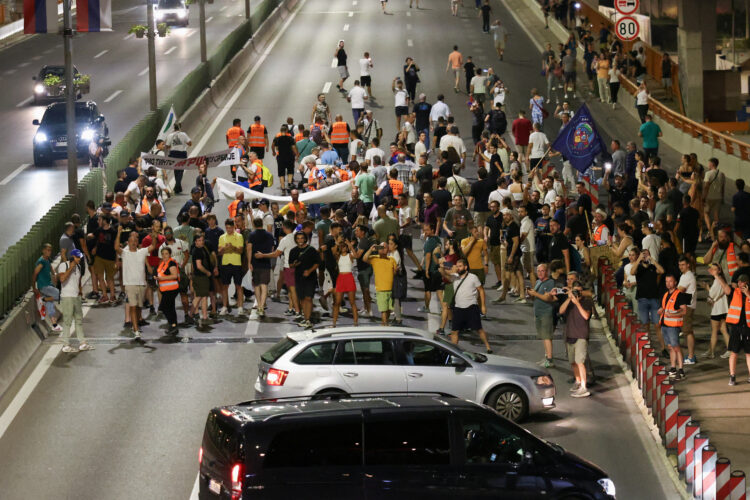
(602, 69)
(383, 269)
(232, 259)
(474, 257)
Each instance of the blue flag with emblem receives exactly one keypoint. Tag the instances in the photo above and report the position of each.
(579, 141)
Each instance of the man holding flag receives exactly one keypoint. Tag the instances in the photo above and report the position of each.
(579, 141)
(178, 142)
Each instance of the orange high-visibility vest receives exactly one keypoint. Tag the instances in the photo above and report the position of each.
(667, 304)
(732, 264)
(397, 187)
(343, 174)
(257, 135)
(257, 176)
(339, 133)
(291, 207)
(598, 233)
(233, 136)
(298, 137)
(146, 206)
(280, 134)
(233, 208)
(171, 284)
(735, 308)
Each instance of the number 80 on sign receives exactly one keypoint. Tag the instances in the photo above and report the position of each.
(627, 29)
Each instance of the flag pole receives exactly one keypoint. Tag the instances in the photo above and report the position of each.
(70, 100)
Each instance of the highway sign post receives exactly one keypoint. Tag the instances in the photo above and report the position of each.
(627, 28)
(627, 7)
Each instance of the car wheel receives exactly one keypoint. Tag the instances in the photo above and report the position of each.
(510, 402)
(327, 393)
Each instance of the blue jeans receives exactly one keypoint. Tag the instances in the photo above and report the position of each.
(49, 306)
(671, 335)
(647, 311)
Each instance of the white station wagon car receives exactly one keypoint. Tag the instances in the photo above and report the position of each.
(357, 360)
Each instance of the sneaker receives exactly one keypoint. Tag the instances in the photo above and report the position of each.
(103, 300)
(672, 373)
(397, 322)
(581, 393)
(56, 328)
(421, 309)
(127, 324)
(143, 322)
(726, 354)
(548, 363)
(440, 331)
(189, 320)
(298, 317)
(499, 300)
(708, 354)
(92, 295)
(261, 312)
(732, 378)
(223, 311)
(343, 310)
(290, 312)
(520, 300)
(681, 374)
(575, 387)
(85, 347)
(498, 285)
(71, 349)
(137, 334)
(304, 324)
(689, 361)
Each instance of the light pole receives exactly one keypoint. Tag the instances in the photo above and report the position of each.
(247, 9)
(150, 35)
(70, 100)
(202, 10)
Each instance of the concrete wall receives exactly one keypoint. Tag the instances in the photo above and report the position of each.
(19, 340)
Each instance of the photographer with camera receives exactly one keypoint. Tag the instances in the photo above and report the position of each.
(577, 310)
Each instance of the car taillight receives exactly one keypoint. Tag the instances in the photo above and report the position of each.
(237, 470)
(276, 377)
(200, 455)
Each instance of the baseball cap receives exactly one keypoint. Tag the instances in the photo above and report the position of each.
(124, 213)
(106, 206)
(195, 189)
(505, 211)
(76, 253)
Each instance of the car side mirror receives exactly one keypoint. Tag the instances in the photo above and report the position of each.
(35, 122)
(457, 362)
(100, 118)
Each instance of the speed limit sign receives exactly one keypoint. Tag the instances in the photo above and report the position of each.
(626, 7)
(627, 29)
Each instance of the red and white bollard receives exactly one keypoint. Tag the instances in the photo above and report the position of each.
(737, 487)
(671, 402)
(691, 432)
(660, 376)
(651, 368)
(708, 457)
(683, 418)
(638, 372)
(661, 402)
(701, 441)
(723, 473)
(647, 349)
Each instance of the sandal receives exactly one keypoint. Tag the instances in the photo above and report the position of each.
(85, 347)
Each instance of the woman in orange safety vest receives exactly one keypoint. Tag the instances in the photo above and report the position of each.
(168, 277)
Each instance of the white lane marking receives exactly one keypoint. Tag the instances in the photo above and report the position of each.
(230, 15)
(408, 26)
(409, 43)
(196, 488)
(408, 14)
(24, 64)
(222, 114)
(191, 33)
(333, 63)
(143, 72)
(346, 27)
(223, 9)
(36, 58)
(47, 51)
(128, 37)
(171, 49)
(10, 178)
(351, 14)
(354, 2)
(209, 19)
(326, 87)
(28, 387)
(9, 72)
(100, 54)
(24, 102)
(113, 96)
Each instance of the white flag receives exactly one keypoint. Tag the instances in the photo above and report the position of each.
(168, 125)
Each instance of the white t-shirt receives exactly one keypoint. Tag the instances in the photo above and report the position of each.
(364, 67)
(527, 227)
(452, 140)
(70, 287)
(479, 82)
(614, 75)
(652, 243)
(419, 148)
(399, 97)
(396, 257)
(688, 282)
(540, 144)
(498, 195)
(134, 266)
(550, 198)
(499, 95)
(642, 98)
(716, 293)
(466, 295)
(178, 141)
(498, 32)
(285, 245)
(179, 249)
(372, 152)
(404, 213)
(629, 277)
(439, 109)
(411, 136)
(357, 148)
(357, 95)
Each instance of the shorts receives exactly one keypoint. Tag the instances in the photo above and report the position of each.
(261, 276)
(479, 273)
(480, 218)
(577, 351)
(136, 294)
(690, 244)
(201, 285)
(433, 283)
(671, 335)
(345, 283)
(384, 300)
(500, 44)
(466, 318)
(402, 110)
(513, 265)
(666, 82)
(687, 321)
(527, 261)
(364, 276)
(365, 80)
(495, 254)
(288, 275)
(258, 150)
(711, 206)
(544, 327)
(405, 241)
(570, 77)
(184, 284)
(229, 272)
(718, 317)
(306, 287)
(448, 293)
(285, 168)
(457, 71)
(343, 72)
(648, 311)
(104, 267)
(737, 341)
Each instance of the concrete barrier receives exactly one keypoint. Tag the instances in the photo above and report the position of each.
(20, 335)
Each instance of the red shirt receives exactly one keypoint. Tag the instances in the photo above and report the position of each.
(153, 258)
(521, 131)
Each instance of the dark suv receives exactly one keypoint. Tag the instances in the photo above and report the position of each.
(384, 446)
(51, 139)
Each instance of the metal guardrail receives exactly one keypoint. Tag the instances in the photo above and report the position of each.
(17, 264)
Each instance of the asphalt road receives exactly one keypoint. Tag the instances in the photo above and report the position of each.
(126, 421)
(117, 63)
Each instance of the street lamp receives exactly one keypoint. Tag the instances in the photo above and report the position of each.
(70, 99)
(151, 54)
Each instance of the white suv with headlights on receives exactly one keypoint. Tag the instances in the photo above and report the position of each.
(358, 360)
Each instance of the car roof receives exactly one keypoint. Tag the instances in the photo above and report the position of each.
(79, 104)
(264, 410)
(354, 331)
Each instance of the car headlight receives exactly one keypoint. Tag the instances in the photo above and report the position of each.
(39, 88)
(608, 486)
(182, 14)
(40, 137)
(543, 380)
(87, 135)
(159, 15)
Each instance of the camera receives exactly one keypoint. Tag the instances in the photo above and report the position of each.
(577, 294)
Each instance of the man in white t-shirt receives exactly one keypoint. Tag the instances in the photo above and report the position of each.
(134, 265)
(365, 65)
(688, 285)
(439, 110)
(469, 301)
(452, 139)
(538, 144)
(400, 100)
(373, 152)
(71, 302)
(527, 247)
(178, 142)
(357, 96)
(500, 193)
(500, 37)
(286, 276)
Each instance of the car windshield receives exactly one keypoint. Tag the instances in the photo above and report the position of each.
(170, 4)
(56, 115)
(57, 71)
(478, 358)
(277, 350)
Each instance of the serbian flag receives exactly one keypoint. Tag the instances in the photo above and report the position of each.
(93, 15)
(39, 16)
(579, 141)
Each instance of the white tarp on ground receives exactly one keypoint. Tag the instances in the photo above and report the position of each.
(332, 194)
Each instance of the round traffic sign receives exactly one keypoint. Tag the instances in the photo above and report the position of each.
(627, 29)
(627, 7)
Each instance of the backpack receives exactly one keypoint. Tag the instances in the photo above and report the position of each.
(316, 134)
(267, 177)
(498, 121)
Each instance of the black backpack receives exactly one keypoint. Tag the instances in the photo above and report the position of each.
(498, 121)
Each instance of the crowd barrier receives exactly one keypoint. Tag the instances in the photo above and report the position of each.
(706, 474)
